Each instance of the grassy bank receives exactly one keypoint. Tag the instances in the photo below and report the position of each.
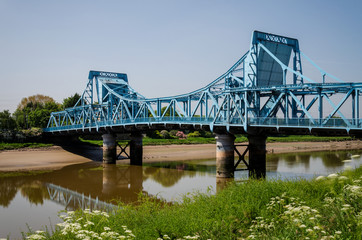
(239, 139)
(324, 208)
(10, 146)
(22, 174)
(190, 140)
(308, 138)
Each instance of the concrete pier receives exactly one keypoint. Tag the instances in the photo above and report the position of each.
(109, 148)
(257, 156)
(136, 149)
(225, 155)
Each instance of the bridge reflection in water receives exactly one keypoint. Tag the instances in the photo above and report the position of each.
(102, 187)
(74, 200)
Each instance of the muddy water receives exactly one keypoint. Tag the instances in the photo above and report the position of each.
(36, 200)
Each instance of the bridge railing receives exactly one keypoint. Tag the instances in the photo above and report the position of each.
(336, 123)
(306, 122)
(149, 120)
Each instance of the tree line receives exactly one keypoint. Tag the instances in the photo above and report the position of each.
(34, 112)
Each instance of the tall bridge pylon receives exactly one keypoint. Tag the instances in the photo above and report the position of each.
(265, 92)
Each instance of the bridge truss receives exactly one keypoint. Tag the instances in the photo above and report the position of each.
(266, 89)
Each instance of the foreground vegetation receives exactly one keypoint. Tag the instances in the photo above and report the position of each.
(324, 208)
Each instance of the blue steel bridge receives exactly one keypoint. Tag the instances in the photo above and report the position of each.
(265, 92)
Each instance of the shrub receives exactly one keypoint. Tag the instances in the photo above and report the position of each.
(181, 135)
(154, 134)
(165, 134)
(194, 134)
(173, 133)
(209, 134)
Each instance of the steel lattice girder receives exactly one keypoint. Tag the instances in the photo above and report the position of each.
(238, 98)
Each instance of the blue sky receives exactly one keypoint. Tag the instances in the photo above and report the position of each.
(165, 47)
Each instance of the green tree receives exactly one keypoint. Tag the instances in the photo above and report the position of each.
(7, 121)
(34, 101)
(34, 111)
(70, 101)
(169, 111)
(40, 116)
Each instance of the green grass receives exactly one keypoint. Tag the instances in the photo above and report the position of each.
(307, 138)
(192, 140)
(256, 209)
(10, 146)
(23, 173)
(150, 141)
(239, 139)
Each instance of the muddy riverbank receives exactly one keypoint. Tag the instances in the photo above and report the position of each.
(57, 157)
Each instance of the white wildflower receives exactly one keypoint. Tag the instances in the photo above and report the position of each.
(343, 178)
(105, 214)
(36, 237)
(319, 178)
(332, 176)
(88, 223)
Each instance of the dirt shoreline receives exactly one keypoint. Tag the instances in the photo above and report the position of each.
(52, 158)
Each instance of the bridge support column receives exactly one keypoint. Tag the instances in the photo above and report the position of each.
(109, 148)
(136, 149)
(257, 156)
(224, 156)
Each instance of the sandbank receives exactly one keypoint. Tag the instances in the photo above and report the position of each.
(56, 157)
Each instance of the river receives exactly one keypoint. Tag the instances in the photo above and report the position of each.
(34, 201)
